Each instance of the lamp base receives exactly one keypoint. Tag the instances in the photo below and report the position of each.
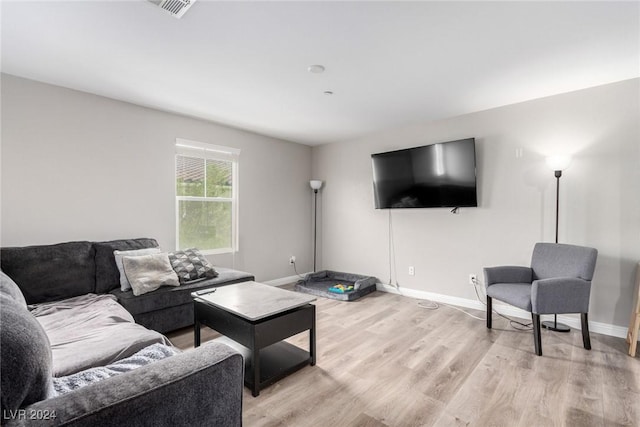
(555, 326)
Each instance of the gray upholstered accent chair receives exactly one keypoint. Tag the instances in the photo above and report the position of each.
(558, 281)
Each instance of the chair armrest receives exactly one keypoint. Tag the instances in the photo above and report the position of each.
(560, 295)
(198, 387)
(507, 274)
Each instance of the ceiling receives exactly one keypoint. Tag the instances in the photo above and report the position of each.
(388, 64)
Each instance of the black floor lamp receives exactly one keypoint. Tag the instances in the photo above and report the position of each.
(557, 164)
(315, 186)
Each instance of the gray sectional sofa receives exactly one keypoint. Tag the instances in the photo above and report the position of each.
(55, 272)
(68, 340)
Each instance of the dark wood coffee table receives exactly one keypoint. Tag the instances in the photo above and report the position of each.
(260, 317)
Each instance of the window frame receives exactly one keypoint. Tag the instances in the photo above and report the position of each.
(202, 150)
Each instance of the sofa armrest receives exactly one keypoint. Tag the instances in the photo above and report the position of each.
(507, 274)
(198, 387)
(560, 295)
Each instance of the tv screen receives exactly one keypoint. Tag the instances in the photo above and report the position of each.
(431, 176)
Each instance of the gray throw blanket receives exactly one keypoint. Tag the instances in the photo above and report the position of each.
(91, 330)
(154, 352)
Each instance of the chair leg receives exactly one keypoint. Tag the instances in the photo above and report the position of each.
(489, 313)
(586, 340)
(537, 339)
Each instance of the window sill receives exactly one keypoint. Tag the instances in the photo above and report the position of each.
(216, 251)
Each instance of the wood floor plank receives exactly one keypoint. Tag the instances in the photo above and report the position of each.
(511, 396)
(457, 370)
(584, 404)
(364, 420)
(620, 408)
(384, 361)
(620, 373)
(471, 400)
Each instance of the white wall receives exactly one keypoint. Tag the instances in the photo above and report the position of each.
(77, 166)
(600, 197)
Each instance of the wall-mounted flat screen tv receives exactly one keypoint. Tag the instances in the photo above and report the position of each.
(431, 176)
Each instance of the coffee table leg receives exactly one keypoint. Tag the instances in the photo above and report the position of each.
(255, 365)
(196, 333)
(312, 336)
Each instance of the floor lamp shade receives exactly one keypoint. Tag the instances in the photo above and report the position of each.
(558, 163)
(315, 184)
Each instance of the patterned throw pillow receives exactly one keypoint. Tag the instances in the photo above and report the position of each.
(191, 265)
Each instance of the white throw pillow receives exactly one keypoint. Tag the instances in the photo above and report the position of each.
(147, 273)
(124, 283)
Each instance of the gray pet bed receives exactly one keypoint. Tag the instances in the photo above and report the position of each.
(319, 283)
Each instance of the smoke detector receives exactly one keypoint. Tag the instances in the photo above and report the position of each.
(176, 8)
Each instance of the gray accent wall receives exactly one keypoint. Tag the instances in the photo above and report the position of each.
(77, 166)
(599, 197)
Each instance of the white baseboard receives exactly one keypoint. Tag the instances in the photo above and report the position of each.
(572, 320)
(568, 319)
(282, 281)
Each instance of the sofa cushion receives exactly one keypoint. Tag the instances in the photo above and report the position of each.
(191, 265)
(107, 274)
(91, 330)
(166, 297)
(517, 294)
(9, 288)
(146, 273)
(168, 319)
(25, 357)
(51, 272)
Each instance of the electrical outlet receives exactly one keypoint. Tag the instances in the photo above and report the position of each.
(472, 279)
(292, 259)
(412, 271)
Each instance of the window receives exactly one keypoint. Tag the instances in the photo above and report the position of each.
(206, 197)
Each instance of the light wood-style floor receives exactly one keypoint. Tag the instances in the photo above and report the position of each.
(385, 361)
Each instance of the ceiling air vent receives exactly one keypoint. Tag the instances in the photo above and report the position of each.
(177, 8)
